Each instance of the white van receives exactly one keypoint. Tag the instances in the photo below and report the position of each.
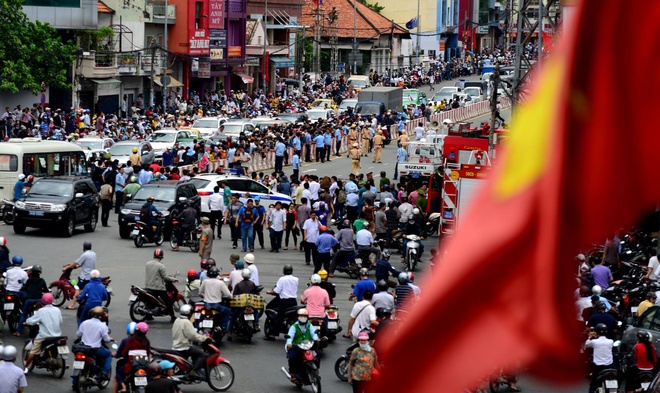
(359, 82)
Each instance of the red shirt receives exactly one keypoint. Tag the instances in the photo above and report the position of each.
(132, 344)
(641, 361)
(175, 176)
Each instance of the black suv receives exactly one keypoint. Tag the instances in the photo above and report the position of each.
(60, 203)
(168, 196)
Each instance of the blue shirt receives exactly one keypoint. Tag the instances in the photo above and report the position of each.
(230, 154)
(119, 180)
(327, 138)
(364, 285)
(167, 158)
(280, 148)
(352, 199)
(95, 292)
(18, 189)
(401, 154)
(325, 242)
(320, 141)
(241, 212)
(296, 143)
(295, 162)
(144, 177)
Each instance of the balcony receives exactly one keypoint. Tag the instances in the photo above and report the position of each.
(148, 66)
(128, 63)
(156, 12)
(99, 65)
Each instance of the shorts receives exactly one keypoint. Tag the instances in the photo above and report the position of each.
(81, 283)
(36, 347)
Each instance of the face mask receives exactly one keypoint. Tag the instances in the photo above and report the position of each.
(302, 320)
(365, 346)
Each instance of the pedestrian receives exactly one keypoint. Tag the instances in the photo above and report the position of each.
(378, 146)
(105, 195)
(246, 217)
(86, 261)
(277, 222)
(216, 209)
(120, 183)
(291, 227)
(259, 221)
(206, 242)
(12, 378)
(231, 218)
(324, 245)
(310, 234)
(354, 154)
(362, 364)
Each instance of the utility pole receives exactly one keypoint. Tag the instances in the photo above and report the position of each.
(540, 36)
(263, 58)
(317, 41)
(495, 78)
(152, 96)
(334, 47)
(355, 46)
(418, 31)
(165, 88)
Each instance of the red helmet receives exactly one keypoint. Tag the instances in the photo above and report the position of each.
(159, 254)
(192, 273)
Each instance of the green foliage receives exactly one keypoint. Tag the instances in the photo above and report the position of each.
(95, 39)
(375, 6)
(31, 52)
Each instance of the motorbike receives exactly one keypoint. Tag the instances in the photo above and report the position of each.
(136, 381)
(217, 371)
(145, 233)
(87, 368)
(191, 239)
(333, 328)
(290, 317)
(208, 322)
(501, 381)
(144, 305)
(341, 365)
(13, 307)
(310, 367)
(64, 289)
(8, 211)
(54, 351)
(244, 323)
(412, 252)
(432, 224)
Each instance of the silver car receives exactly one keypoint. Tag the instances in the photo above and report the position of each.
(122, 150)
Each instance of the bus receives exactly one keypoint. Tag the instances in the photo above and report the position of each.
(37, 157)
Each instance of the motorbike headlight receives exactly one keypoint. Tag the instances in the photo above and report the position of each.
(166, 213)
(20, 205)
(58, 208)
(126, 211)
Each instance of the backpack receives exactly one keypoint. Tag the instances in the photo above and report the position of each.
(341, 197)
(248, 216)
(144, 214)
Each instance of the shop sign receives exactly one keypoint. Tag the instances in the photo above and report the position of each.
(204, 69)
(234, 51)
(217, 14)
(199, 42)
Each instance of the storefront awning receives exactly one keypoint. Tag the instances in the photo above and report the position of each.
(281, 61)
(110, 81)
(173, 82)
(247, 79)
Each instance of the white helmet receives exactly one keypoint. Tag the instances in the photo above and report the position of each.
(246, 274)
(185, 310)
(21, 176)
(596, 290)
(316, 279)
(95, 274)
(3, 241)
(447, 121)
(416, 211)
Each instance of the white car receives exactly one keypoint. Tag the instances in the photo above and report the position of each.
(162, 139)
(96, 143)
(235, 128)
(208, 125)
(315, 114)
(205, 183)
(352, 102)
(475, 93)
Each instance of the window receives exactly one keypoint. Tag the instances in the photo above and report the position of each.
(199, 11)
(55, 164)
(237, 185)
(256, 187)
(87, 189)
(8, 162)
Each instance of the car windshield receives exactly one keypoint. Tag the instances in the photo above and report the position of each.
(122, 150)
(313, 115)
(199, 183)
(442, 96)
(160, 194)
(51, 188)
(233, 129)
(206, 123)
(91, 144)
(358, 83)
(346, 103)
(472, 91)
(320, 103)
(448, 90)
(162, 137)
(368, 109)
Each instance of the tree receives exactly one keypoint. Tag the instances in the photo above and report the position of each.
(31, 53)
(374, 6)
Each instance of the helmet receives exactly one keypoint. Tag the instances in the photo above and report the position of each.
(133, 179)
(382, 285)
(36, 269)
(9, 353)
(303, 311)
(192, 273)
(239, 265)
(17, 260)
(596, 290)
(643, 336)
(383, 312)
(30, 178)
(347, 223)
(97, 312)
(87, 246)
(246, 274)
(207, 263)
(364, 271)
(213, 272)
(416, 211)
(185, 310)
(130, 328)
(287, 269)
(601, 328)
(150, 199)
(166, 364)
(323, 228)
(249, 258)
(386, 254)
(3, 241)
(95, 274)
(142, 326)
(47, 298)
(403, 278)
(316, 279)
(323, 274)
(159, 254)
(153, 368)
(21, 176)
(411, 277)
(135, 150)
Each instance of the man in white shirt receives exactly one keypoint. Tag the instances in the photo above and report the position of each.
(216, 207)
(310, 234)
(276, 226)
(314, 187)
(363, 315)
(364, 240)
(419, 131)
(287, 290)
(602, 355)
(654, 266)
(249, 260)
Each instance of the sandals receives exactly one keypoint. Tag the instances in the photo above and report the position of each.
(70, 307)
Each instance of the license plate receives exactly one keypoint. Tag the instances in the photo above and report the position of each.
(633, 310)
(645, 385)
(62, 350)
(132, 298)
(78, 364)
(249, 317)
(135, 232)
(332, 325)
(611, 384)
(140, 381)
(39, 214)
(9, 306)
(137, 218)
(197, 315)
(207, 323)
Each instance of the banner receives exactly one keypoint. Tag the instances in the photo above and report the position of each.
(217, 14)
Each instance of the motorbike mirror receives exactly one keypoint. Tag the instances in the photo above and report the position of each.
(183, 199)
(617, 344)
(620, 323)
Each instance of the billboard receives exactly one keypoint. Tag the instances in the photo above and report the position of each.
(217, 14)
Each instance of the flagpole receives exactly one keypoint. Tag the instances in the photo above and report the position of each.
(355, 37)
(418, 30)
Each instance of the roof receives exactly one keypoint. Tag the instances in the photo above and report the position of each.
(104, 9)
(369, 23)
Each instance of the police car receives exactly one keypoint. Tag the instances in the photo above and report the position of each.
(239, 184)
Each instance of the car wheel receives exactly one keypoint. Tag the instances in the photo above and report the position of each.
(19, 229)
(93, 219)
(70, 225)
(124, 232)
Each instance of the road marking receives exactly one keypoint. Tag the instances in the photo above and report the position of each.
(310, 170)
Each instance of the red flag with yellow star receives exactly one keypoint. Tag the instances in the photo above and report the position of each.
(581, 161)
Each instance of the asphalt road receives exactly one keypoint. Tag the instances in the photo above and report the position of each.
(257, 365)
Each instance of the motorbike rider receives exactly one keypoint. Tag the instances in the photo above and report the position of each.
(119, 373)
(363, 284)
(149, 213)
(345, 237)
(316, 299)
(364, 239)
(650, 301)
(31, 293)
(363, 316)
(49, 319)
(645, 358)
(93, 333)
(162, 381)
(86, 261)
(383, 299)
(155, 279)
(205, 265)
(188, 222)
(5, 263)
(327, 285)
(246, 286)
(249, 261)
(403, 293)
(286, 290)
(384, 269)
(300, 331)
(235, 276)
(213, 290)
(602, 355)
(10, 374)
(191, 292)
(14, 280)
(411, 283)
(411, 228)
(184, 335)
(602, 317)
(132, 187)
(138, 341)
(94, 295)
